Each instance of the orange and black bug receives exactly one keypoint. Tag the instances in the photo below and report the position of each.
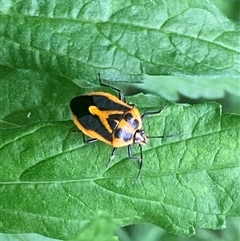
(108, 118)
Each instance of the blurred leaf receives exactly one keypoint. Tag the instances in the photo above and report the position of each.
(229, 8)
(150, 232)
(170, 87)
(232, 232)
(101, 228)
(25, 237)
(121, 39)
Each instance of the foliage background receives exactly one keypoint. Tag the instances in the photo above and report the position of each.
(21, 62)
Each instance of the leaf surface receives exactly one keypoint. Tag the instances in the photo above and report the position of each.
(53, 184)
(51, 181)
(122, 40)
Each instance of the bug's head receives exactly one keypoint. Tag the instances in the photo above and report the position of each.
(140, 137)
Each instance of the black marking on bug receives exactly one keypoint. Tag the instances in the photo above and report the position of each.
(91, 122)
(80, 104)
(127, 136)
(118, 133)
(135, 124)
(113, 120)
(80, 108)
(128, 117)
(121, 134)
(104, 103)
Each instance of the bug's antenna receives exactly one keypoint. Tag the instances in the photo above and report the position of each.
(151, 137)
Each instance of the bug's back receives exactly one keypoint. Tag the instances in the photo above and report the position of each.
(103, 116)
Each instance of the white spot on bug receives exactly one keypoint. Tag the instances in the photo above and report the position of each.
(29, 114)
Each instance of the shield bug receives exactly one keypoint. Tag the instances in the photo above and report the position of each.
(105, 117)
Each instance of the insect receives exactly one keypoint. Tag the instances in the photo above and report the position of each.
(105, 117)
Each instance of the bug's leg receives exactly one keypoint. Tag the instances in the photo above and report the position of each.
(114, 150)
(139, 159)
(143, 116)
(89, 141)
(120, 93)
(133, 105)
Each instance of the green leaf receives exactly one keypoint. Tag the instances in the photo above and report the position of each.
(33, 96)
(25, 237)
(101, 228)
(171, 87)
(149, 232)
(122, 40)
(53, 184)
